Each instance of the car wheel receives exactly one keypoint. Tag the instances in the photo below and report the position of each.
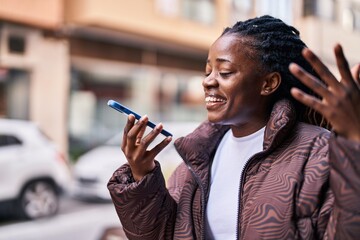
(38, 199)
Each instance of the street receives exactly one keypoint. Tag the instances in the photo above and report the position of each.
(75, 220)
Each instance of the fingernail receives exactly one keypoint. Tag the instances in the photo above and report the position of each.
(159, 126)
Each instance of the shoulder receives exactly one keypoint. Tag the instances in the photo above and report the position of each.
(314, 135)
(309, 143)
(312, 130)
(304, 142)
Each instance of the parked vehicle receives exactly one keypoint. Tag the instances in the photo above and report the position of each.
(33, 173)
(93, 169)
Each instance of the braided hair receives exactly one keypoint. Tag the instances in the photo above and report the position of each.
(275, 45)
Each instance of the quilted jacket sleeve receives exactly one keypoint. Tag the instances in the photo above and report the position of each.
(145, 208)
(345, 184)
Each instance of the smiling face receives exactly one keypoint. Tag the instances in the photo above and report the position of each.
(235, 85)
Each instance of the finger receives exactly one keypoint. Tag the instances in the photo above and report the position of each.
(148, 139)
(135, 130)
(310, 81)
(128, 126)
(355, 72)
(343, 66)
(320, 68)
(159, 147)
(140, 135)
(308, 100)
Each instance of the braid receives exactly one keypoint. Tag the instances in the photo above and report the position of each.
(276, 45)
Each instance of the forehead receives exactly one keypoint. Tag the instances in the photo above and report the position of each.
(233, 47)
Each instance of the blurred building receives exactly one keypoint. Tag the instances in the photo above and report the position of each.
(322, 23)
(61, 60)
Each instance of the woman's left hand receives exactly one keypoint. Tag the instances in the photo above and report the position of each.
(340, 100)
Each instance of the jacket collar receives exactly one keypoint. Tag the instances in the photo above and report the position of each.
(282, 120)
(199, 147)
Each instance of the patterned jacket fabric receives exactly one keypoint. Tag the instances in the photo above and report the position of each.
(305, 184)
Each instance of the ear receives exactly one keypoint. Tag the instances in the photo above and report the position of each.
(271, 83)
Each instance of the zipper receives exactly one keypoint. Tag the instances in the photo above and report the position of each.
(202, 192)
(239, 195)
(197, 179)
(254, 157)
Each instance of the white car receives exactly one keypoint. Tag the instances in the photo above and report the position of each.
(93, 169)
(33, 172)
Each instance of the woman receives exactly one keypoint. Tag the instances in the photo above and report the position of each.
(261, 167)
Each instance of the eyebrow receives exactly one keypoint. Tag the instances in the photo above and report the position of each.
(220, 60)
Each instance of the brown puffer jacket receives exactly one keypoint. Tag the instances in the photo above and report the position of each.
(294, 189)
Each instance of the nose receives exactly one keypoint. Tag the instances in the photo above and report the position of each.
(210, 81)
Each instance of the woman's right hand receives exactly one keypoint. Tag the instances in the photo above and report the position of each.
(135, 144)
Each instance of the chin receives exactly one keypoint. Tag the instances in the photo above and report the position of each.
(212, 118)
(216, 120)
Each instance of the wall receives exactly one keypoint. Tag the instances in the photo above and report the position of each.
(41, 13)
(142, 18)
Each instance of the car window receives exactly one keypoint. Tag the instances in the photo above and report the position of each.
(8, 140)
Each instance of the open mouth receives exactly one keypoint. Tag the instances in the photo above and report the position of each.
(214, 101)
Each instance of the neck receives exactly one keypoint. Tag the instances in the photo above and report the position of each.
(247, 128)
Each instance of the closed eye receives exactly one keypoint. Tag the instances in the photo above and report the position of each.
(225, 74)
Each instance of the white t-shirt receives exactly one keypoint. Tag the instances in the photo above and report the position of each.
(229, 161)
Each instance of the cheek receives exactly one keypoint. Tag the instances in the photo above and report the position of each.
(235, 93)
(242, 101)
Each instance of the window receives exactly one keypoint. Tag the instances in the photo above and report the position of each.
(351, 17)
(168, 8)
(202, 11)
(277, 8)
(325, 9)
(14, 93)
(16, 44)
(244, 6)
(309, 8)
(8, 140)
(356, 10)
(241, 9)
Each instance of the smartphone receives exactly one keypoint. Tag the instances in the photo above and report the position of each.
(121, 108)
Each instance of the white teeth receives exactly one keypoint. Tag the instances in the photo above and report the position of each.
(214, 99)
